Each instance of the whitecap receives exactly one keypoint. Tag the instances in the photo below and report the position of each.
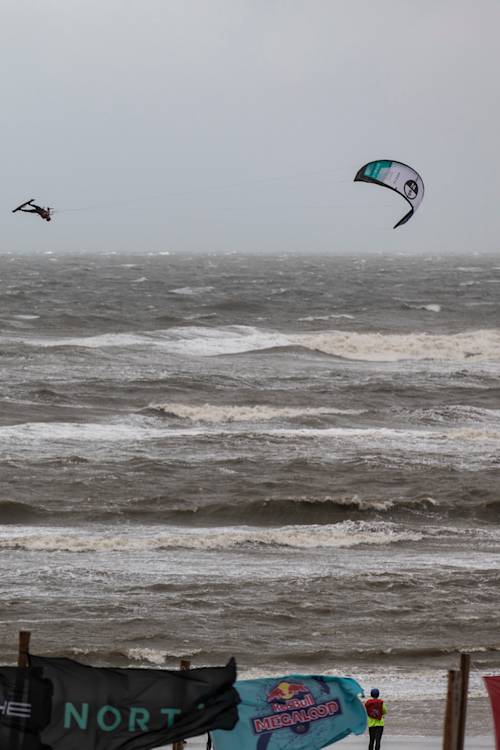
(310, 318)
(157, 656)
(191, 290)
(254, 413)
(340, 535)
(483, 344)
(377, 347)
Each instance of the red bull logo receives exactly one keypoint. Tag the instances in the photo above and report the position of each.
(294, 707)
(287, 691)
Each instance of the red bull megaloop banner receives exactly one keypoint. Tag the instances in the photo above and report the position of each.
(297, 712)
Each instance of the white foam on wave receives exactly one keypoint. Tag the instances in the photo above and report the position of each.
(104, 340)
(157, 656)
(376, 347)
(191, 290)
(387, 438)
(473, 434)
(205, 342)
(365, 503)
(453, 413)
(221, 413)
(58, 437)
(188, 340)
(340, 535)
(310, 318)
(150, 655)
(432, 307)
(30, 434)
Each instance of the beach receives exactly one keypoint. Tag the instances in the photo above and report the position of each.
(290, 460)
(401, 741)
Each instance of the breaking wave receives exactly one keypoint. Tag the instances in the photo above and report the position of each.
(310, 318)
(344, 534)
(215, 341)
(191, 290)
(184, 340)
(219, 413)
(429, 308)
(157, 656)
(376, 347)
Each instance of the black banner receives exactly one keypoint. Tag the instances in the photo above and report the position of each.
(134, 709)
(25, 701)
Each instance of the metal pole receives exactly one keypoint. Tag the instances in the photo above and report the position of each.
(185, 665)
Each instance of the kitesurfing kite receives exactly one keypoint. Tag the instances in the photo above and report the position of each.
(44, 213)
(398, 177)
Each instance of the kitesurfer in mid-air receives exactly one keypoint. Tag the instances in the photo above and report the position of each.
(44, 213)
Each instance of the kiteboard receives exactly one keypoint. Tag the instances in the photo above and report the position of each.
(27, 203)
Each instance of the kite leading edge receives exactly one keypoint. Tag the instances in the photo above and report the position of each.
(398, 177)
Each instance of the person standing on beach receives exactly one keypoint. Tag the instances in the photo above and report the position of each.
(376, 710)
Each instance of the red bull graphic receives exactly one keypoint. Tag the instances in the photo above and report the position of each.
(294, 712)
(294, 707)
(287, 691)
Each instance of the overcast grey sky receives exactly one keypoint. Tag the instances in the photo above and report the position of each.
(239, 124)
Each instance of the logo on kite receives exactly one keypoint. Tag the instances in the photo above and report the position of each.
(398, 177)
(411, 189)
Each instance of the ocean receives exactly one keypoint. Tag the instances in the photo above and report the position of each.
(293, 460)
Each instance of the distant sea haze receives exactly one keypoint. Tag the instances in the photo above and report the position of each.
(291, 460)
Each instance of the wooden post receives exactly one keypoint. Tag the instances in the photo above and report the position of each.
(452, 711)
(17, 736)
(464, 690)
(24, 649)
(185, 665)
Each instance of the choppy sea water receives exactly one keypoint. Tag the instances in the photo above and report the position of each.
(292, 460)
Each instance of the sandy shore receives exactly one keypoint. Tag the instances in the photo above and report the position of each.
(389, 742)
(404, 742)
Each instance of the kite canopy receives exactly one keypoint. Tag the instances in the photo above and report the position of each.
(398, 177)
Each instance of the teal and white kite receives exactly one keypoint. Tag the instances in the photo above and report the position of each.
(398, 177)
